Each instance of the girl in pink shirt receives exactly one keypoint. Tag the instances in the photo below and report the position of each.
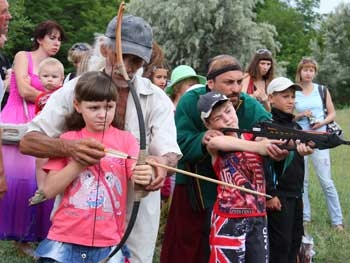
(90, 217)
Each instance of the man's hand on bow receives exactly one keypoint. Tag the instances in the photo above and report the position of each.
(143, 174)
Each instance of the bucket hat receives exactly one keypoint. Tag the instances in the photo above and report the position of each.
(180, 73)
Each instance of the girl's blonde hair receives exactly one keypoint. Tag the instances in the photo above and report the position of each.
(53, 62)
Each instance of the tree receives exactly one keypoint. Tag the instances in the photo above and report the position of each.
(333, 53)
(190, 32)
(295, 28)
(19, 27)
(79, 18)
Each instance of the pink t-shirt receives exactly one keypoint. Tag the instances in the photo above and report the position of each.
(100, 189)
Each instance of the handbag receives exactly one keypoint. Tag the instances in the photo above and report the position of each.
(333, 126)
(12, 132)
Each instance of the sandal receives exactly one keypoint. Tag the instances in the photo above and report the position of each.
(25, 249)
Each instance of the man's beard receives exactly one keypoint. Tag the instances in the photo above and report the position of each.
(234, 98)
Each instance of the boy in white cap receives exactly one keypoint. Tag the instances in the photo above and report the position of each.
(284, 179)
(238, 222)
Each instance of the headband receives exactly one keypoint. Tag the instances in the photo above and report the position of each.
(215, 73)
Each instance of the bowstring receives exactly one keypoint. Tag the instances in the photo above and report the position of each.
(100, 168)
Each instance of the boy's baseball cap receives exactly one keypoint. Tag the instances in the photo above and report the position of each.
(207, 102)
(280, 84)
(136, 36)
(180, 73)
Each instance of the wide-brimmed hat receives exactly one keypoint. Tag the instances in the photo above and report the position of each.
(180, 73)
(136, 36)
(280, 84)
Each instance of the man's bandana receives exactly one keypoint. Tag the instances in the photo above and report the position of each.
(214, 74)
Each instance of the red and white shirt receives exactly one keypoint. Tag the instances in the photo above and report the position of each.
(244, 169)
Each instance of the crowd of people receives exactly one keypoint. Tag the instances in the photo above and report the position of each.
(96, 139)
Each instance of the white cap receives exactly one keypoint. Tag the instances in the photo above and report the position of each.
(280, 84)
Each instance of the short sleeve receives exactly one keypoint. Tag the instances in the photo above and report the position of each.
(55, 164)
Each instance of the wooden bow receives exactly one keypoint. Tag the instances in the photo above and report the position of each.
(138, 189)
(118, 43)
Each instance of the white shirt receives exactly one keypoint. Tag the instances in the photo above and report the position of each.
(156, 106)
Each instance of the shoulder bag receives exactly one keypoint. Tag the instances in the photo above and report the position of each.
(11, 132)
(332, 127)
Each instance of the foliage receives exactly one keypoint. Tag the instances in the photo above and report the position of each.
(20, 25)
(307, 9)
(294, 26)
(332, 53)
(191, 32)
(79, 18)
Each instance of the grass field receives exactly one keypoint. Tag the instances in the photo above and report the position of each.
(330, 246)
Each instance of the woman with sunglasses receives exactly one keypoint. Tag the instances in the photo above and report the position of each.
(260, 73)
(78, 53)
(310, 116)
(21, 222)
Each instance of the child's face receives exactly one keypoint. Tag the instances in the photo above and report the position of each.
(223, 116)
(185, 85)
(51, 77)
(160, 77)
(98, 115)
(284, 100)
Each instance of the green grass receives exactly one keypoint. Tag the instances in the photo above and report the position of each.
(8, 254)
(330, 246)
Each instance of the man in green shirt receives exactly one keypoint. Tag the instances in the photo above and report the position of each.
(188, 225)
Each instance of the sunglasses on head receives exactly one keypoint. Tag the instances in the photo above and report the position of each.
(263, 51)
(308, 61)
(80, 47)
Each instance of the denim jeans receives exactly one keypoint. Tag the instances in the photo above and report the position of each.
(50, 251)
(322, 166)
